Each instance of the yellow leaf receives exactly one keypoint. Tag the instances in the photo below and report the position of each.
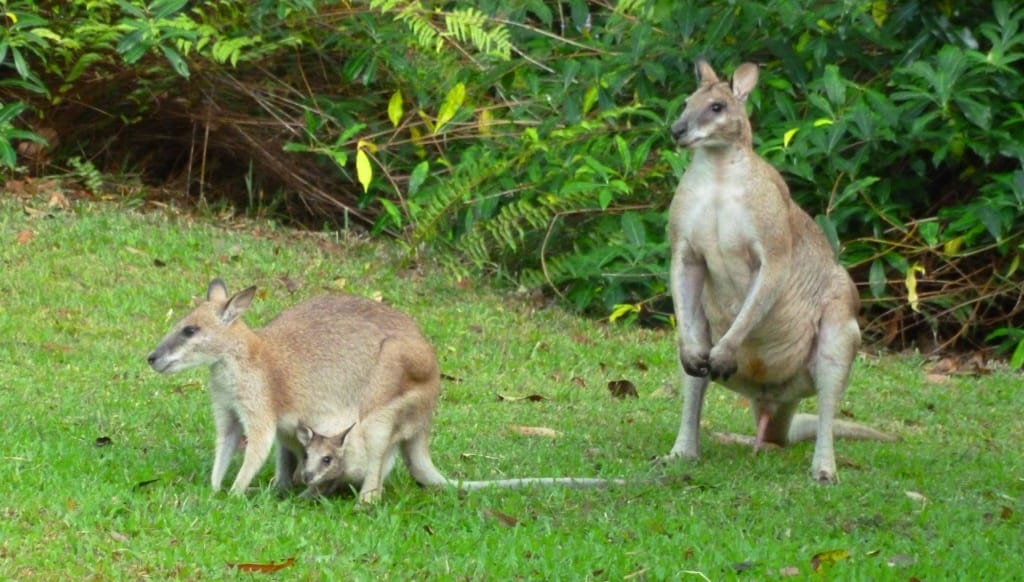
(788, 136)
(364, 171)
(952, 246)
(452, 101)
(911, 282)
(623, 309)
(879, 11)
(822, 121)
(12, 17)
(484, 123)
(395, 108)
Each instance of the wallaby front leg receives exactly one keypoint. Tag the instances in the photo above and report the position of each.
(694, 337)
(260, 440)
(687, 443)
(764, 291)
(229, 433)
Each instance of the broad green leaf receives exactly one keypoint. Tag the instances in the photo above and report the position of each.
(829, 228)
(876, 278)
(395, 108)
(604, 198)
(177, 62)
(834, 85)
(364, 171)
(419, 174)
(1017, 359)
(452, 102)
(161, 9)
(929, 232)
(633, 228)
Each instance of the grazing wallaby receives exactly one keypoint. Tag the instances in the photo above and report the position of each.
(343, 459)
(763, 306)
(325, 362)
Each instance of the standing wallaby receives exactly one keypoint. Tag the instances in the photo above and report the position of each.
(325, 362)
(342, 459)
(762, 304)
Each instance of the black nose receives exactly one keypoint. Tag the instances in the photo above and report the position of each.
(151, 358)
(678, 129)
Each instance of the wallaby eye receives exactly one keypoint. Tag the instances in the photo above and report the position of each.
(325, 461)
(717, 107)
(189, 330)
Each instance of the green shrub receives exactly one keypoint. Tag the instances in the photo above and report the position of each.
(528, 138)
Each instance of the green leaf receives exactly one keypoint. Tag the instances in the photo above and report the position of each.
(876, 278)
(451, 105)
(834, 85)
(161, 9)
(7, 156)
(395, 108)
(829, 228)
(1017, 359)
(419, 174)
(177, 62)
(633, 228)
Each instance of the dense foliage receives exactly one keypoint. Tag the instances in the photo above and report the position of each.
(528, 137)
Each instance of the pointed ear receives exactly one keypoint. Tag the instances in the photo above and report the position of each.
(304, 434)
(339, 439)
(743, 81)
(216, 291)
(705, 74)
(237, 305)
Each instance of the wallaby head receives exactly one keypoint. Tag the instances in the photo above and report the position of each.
(715, 115)
(324, 455)
(203, 336)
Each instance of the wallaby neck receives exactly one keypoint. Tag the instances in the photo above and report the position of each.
(247, 357)
(722, 154)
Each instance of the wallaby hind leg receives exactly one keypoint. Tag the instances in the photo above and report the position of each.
(838, 340)
(416, 454)
(284, 470)
(687, 443)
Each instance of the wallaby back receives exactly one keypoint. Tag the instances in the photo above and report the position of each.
(324, 362)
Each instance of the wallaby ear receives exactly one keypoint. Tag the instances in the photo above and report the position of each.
(304, 434)
(743, 81)
(705, 74)
(217, 290)
(237, 305)
(339, 439)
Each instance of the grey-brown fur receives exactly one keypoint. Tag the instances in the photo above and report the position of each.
(763, 306)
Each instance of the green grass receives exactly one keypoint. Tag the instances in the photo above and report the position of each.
(106, 463)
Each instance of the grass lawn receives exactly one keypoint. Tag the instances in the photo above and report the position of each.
(106, 464)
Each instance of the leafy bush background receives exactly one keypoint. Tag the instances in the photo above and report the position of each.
(527, 138)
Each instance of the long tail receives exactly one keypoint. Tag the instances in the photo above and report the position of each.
(805, 427)
(570, 482)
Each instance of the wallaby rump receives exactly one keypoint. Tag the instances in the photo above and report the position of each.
(763, 306)
(323, 362)
(342, 459)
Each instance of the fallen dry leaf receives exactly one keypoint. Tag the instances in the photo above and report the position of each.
(828, 558)
(539, 431)
(527, 397)
(936, 378)
(24, 237)
(262, 568)
(789, 571)
(622, 389)
(916, 496)
(502, 518)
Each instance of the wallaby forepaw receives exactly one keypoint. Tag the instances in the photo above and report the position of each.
(695, 363)
(721, 364)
